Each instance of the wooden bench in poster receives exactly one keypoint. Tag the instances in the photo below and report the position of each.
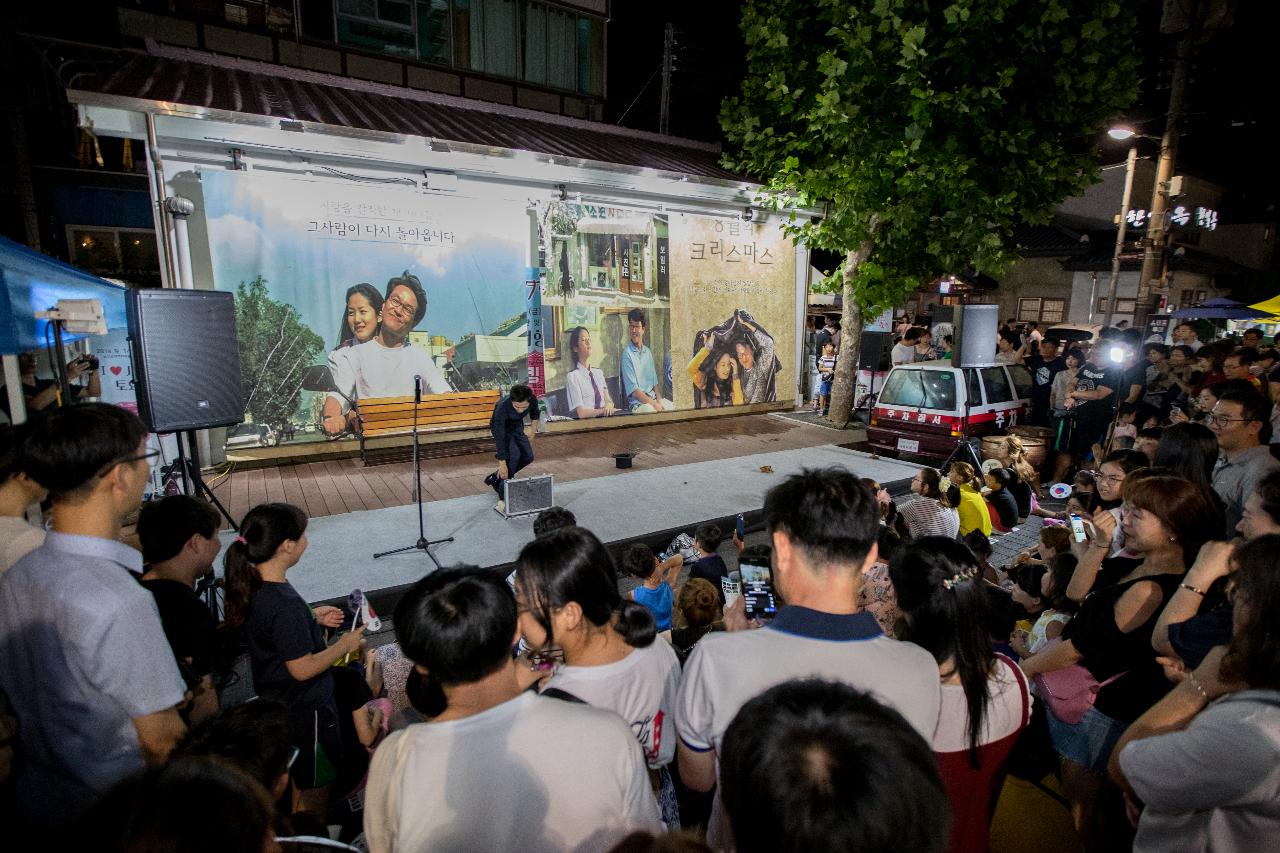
(390, 416)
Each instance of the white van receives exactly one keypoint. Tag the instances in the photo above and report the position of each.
(923, 407)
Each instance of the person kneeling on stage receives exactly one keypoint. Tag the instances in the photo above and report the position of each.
(514, 451)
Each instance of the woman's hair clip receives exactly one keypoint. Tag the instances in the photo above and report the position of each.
(240, 540)
(944, 484)
(955, 580)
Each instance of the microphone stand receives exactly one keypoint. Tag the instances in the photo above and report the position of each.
(423, 544)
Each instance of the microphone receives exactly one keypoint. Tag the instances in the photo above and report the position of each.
(417, 389)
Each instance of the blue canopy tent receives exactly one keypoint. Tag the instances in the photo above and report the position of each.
(31, 282)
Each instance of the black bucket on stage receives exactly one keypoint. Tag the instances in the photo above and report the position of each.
(623, 460)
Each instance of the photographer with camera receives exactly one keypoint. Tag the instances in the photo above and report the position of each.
(39, 394)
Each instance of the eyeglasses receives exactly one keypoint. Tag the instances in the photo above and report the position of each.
(1215, 418)
(395, 303)
(1113, 479)
(150, 454)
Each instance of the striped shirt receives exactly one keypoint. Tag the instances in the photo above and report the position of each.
(928, 517)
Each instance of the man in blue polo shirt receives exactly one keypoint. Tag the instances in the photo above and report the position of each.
(639, 374)
(823, 524)
(83, 657)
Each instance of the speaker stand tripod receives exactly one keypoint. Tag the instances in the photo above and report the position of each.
(192, 482)
(423, 544)
(964, 451)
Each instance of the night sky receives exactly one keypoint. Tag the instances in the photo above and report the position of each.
(1229, 102)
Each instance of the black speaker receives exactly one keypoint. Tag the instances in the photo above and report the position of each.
(874, 350)
(185, 359)
(975, 335)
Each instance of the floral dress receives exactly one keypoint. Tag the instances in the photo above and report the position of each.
(878, 598)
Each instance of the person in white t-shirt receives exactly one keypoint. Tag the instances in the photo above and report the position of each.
(567, 593)
(386, 365)
(17, 492)
(500, 768)
(905, 351)
(824, 524)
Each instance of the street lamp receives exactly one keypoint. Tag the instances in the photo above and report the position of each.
(1121, 133)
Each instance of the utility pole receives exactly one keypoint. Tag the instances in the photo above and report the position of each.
(668, 43)
(1153, 257)
(1130, 162)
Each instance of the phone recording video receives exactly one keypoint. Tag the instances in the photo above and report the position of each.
(757, 591)
(1077, 527)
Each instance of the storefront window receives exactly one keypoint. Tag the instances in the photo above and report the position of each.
(385, 26)
(516, 39)
(561, 41)
(602, 261)
(535, 44)
(433, 31)
(590, 56)
(95, 251)
(499, 37)
(116, 252)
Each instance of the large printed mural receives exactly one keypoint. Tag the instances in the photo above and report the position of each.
(347, 292)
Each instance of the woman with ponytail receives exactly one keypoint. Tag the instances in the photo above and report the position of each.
(985, 701)
(934, 514)
(567, 595)
(287, 652)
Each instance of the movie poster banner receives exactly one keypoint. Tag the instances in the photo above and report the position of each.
(733, 310)
(606, 311)
(348, 291)
(646, 311)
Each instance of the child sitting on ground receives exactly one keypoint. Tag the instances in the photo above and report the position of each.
(656, 590)
(709, 566)
(1054, 540)
(699, 604)
(1057, 607)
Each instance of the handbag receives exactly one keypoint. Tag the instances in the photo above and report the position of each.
(1070, 692)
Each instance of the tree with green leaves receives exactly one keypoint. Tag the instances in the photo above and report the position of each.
(276, 347)
(926, 130)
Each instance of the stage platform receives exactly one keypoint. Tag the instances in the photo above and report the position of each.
(620, 508)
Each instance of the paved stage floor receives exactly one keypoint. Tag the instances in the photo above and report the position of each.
(342, 485)
(621, 506)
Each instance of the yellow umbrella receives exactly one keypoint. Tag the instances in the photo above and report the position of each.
(1271, 306)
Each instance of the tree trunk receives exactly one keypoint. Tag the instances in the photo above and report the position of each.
(846, 379)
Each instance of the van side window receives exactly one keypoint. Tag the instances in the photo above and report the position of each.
(920, 389)
(975, 388)
(997, 384)
(1021, 379)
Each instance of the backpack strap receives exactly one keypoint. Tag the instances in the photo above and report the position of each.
(562, 695)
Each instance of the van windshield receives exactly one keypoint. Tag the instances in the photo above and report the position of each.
(920, 389)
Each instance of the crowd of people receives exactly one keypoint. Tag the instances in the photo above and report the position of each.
(1132, 652)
